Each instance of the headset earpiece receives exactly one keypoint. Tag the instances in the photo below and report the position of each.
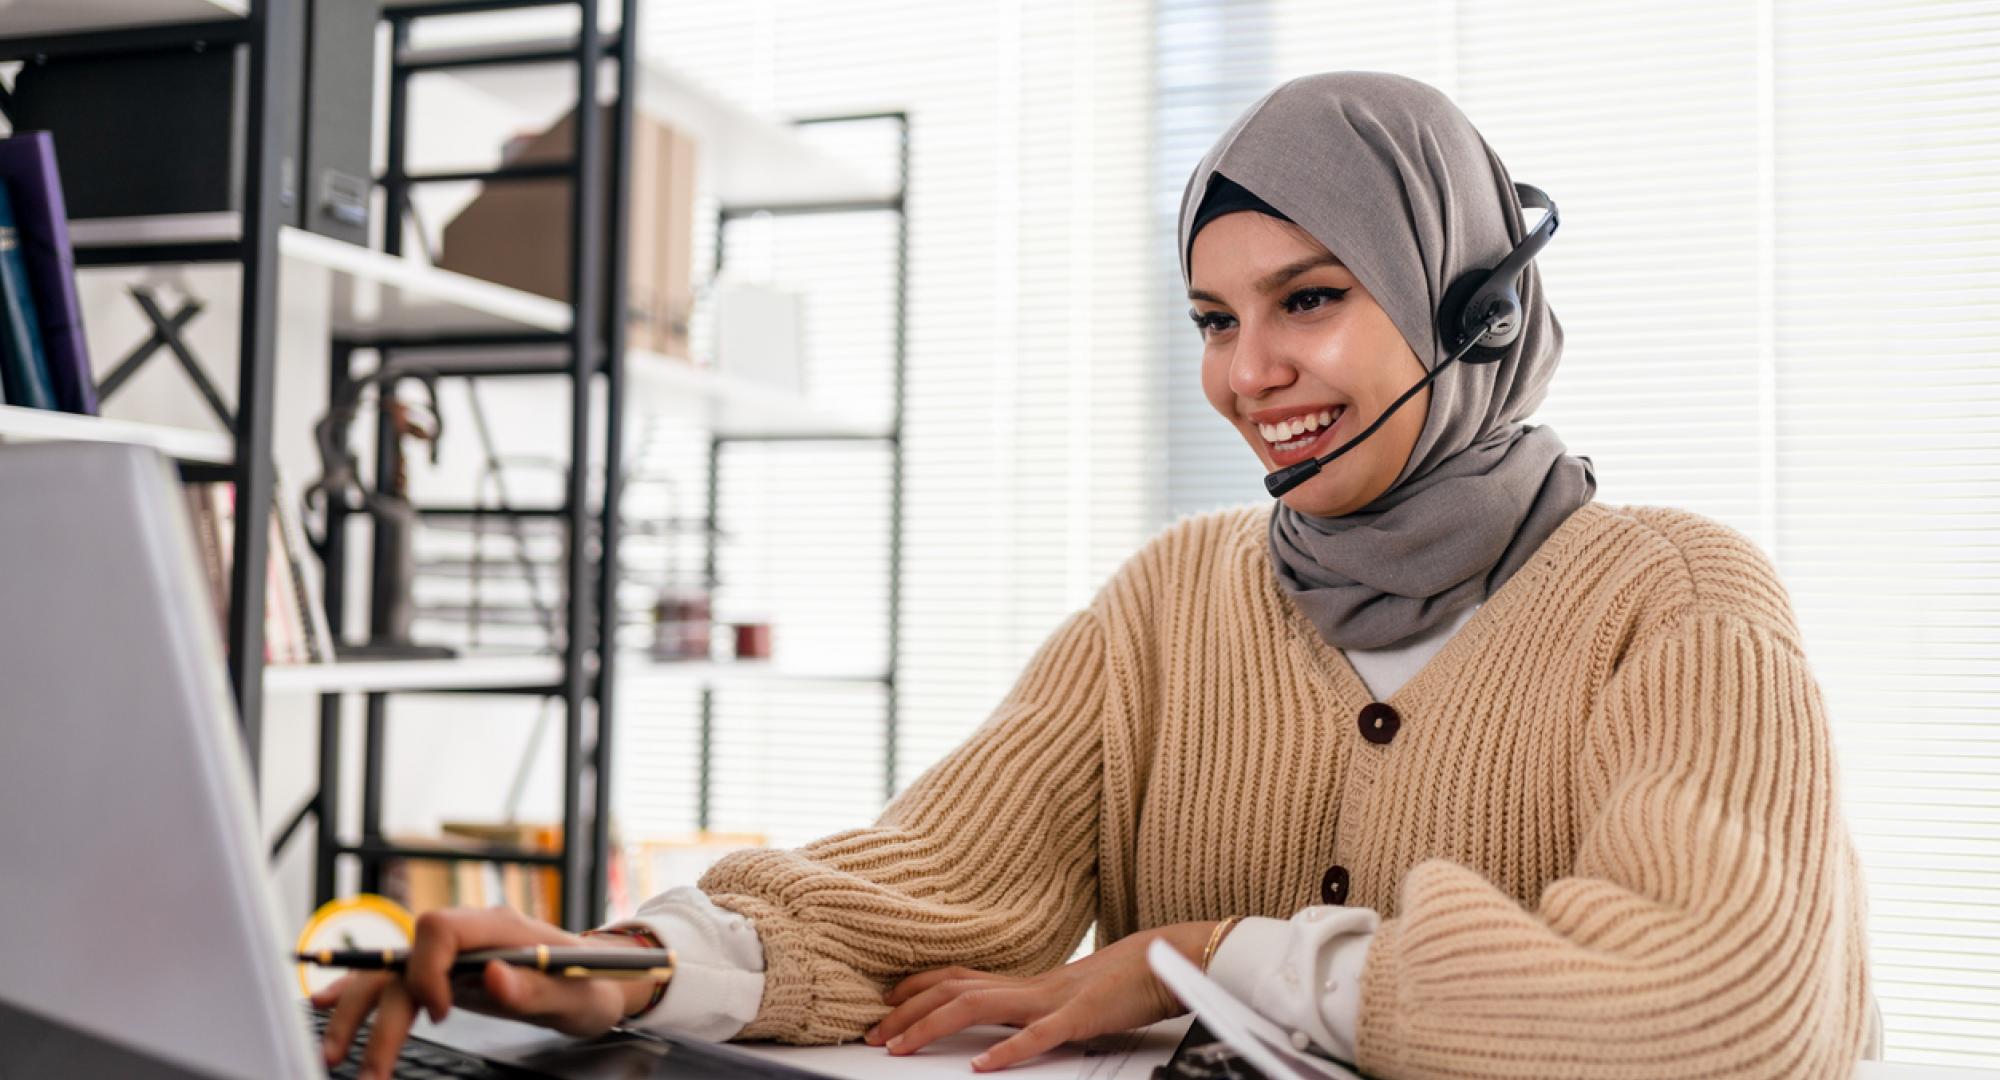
(1477, 293)
(1456, 319)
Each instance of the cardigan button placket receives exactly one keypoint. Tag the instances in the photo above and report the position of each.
(1378, 722)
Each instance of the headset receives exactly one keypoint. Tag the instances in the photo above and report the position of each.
(1479, 317)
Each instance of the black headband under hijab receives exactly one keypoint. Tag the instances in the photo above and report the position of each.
(1225, 196)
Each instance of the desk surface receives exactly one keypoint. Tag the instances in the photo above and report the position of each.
(1134, 1059)
(1129, 1056)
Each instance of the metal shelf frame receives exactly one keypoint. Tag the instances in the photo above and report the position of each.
(273, 33)
(598, 258)
(896, 203)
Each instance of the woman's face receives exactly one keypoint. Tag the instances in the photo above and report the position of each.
(1290, 338)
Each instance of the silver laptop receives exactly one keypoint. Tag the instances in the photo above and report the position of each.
(139, 929)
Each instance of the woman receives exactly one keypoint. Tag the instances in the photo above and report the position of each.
(1440, 763)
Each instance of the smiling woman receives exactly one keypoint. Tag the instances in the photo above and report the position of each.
(1440, 763)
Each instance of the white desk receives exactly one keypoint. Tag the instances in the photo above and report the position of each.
(947, 1058)
(1130, 1057)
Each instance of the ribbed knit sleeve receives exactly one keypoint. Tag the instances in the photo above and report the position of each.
(987, 860)
(1706, 927)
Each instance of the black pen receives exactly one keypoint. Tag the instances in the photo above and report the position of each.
(655, 964)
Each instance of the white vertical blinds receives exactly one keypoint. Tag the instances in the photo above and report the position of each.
(1781, 233)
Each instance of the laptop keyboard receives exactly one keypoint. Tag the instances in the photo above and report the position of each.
(419, 1059)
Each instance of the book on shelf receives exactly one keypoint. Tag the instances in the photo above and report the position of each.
(295, 630)
(421, 884)
(28, 172)
(24, 377)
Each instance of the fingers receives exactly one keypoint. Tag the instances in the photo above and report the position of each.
(919, 1006)
(357, 999)
(924, 980)
(987, 1005)
(443, 934)
(571, 1006)
(1038, 1037)
(392, 1024)
(325, 996)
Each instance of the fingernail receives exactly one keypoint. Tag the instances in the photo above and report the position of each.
(895, 1044)
(981, 1061)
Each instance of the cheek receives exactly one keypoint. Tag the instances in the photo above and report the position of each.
(1215, 383)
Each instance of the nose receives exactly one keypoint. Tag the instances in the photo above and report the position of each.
(1258, 364)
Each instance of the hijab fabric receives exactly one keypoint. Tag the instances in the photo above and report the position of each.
(1391, 177)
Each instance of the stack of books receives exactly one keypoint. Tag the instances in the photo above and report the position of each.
(295, 626)
(43, 360)
(422, 885)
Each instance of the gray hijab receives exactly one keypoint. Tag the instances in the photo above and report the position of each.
(1390, 176)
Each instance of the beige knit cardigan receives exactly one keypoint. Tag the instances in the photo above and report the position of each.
(1606, 840)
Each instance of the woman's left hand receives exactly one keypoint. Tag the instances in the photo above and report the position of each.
(1112, 989)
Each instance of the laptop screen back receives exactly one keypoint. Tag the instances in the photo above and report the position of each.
(134, 902)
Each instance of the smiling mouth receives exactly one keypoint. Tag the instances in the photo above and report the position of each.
(1298, 438)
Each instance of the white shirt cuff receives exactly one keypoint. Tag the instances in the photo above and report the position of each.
(1302, 973)
(718, 982)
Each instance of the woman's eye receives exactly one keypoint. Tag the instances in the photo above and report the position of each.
(1308, 299)
(1208, 321)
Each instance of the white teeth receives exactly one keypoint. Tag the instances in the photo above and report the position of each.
(1296, 426)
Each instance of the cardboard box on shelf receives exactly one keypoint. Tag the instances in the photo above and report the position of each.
(517, 232)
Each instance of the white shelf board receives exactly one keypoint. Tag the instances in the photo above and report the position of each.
(380, 294)
(26, 18)
(642, 665)
(374, 293)
(749, 158)
(494, 672)
(183, 444)
(728, 404)
(478, 672)
(657, 385)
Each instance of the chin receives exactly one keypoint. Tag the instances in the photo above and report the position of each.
(1325, 495)
(1329, 494)
(1304, 502)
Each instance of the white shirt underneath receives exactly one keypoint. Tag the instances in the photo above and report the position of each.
(1303, 973)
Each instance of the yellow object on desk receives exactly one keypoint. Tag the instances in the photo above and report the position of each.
(364, 921)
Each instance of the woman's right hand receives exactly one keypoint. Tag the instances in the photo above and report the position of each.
(581, 1007)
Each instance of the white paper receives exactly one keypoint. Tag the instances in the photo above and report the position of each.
(1128, 1055)
(1261, 1042)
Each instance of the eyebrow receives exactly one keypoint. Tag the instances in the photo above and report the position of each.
(1279, 276)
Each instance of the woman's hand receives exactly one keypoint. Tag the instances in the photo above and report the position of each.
(1112, 989)
(571, 1006)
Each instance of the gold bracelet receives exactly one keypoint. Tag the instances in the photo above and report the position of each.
(647, 939)
(1215, 938)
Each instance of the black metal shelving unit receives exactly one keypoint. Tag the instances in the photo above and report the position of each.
(588, 349)
(272, 33)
